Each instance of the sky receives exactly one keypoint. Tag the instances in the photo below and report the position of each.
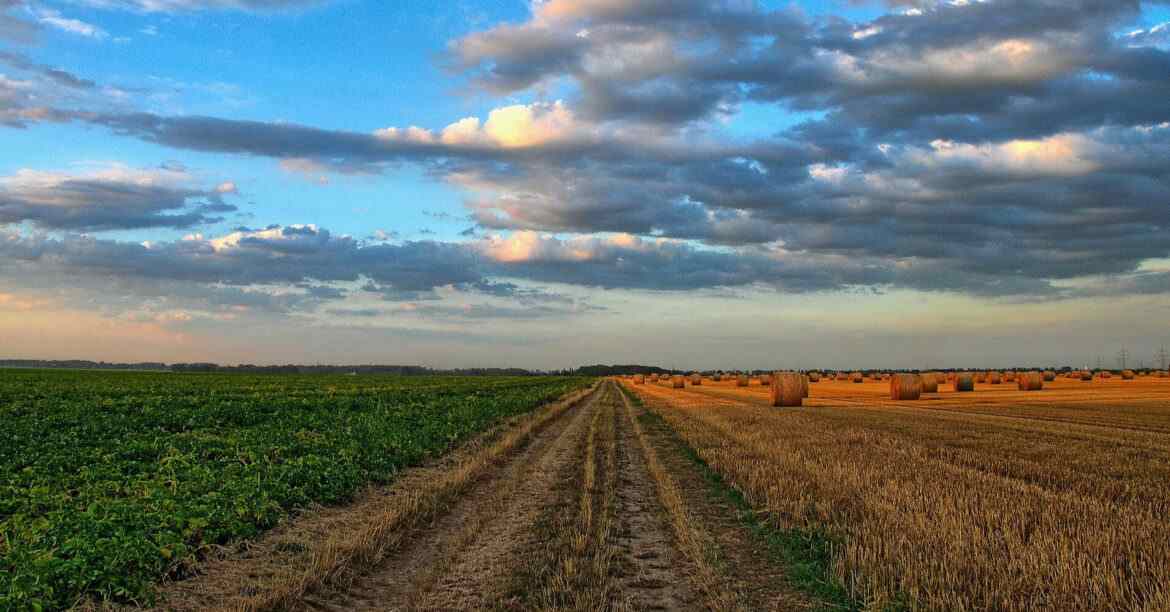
(549, 183)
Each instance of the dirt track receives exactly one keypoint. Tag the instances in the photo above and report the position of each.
(474, 557)
(586, 512)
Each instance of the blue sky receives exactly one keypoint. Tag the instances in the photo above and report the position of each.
(193, 173)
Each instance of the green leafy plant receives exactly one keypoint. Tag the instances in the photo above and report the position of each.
(110, 481)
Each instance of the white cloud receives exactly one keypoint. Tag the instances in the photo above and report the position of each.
(508, 127)
(73, 26)
(1060, 155)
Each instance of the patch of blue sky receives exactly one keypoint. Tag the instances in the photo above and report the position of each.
(854, 11)
(355, 65)
(404, 200)
(1153, 14)
(755, 120)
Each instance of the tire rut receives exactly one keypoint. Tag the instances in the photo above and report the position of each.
(456, 562)
(656, 574)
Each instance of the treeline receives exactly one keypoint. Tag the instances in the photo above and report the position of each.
(399, 370)
(80, 364)
(618, 370)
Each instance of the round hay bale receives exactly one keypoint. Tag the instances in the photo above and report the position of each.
(1030, 381)
(677, 382)
(1106, 374)
(964, 382)
(1009, 376)
(1127, 375)
(696, 380)
(1086, 376)
(742, 380)
(981, 377)
(842, 376)
(1049, 376)
(716, 377)
(786, 389)
(905, 387)
(994, 378)
(814, 377)
(930, 382)
(1163, 374)
(639, 379)
(856, 377)
(765, 380)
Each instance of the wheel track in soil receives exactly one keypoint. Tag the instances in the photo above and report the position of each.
(652, 580)
(468, 558)
(454, 563)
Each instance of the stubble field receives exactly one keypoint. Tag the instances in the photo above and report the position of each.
(997, 499)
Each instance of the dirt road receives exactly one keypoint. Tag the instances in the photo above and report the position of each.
(585, 505)
(572, 520)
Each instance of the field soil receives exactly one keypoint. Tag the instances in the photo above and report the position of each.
(586, 504)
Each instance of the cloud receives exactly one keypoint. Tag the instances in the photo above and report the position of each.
(999, 148)
(13, 26)
(685, 61)
(1155, 36)
(183, 6)
(516, 126)
(54, 19)
(58, 75)
(882, 199)
(114, 197)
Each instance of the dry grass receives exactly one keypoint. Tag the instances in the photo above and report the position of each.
(996, 499)
(582, 554)
(692, 541)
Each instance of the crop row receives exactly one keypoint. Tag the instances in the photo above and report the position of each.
(110, 480)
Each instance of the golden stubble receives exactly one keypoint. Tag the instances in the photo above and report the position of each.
(987, 500)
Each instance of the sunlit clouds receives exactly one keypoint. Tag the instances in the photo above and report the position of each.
(584, 165)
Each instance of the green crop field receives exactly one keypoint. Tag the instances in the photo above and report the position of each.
(110, 481)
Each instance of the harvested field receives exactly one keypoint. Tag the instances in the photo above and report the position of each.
(999, 498)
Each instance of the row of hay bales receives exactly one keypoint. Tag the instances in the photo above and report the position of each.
(788, 389)
(665, 380)
(912, 386)
(902, 385)
(1089, 375)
